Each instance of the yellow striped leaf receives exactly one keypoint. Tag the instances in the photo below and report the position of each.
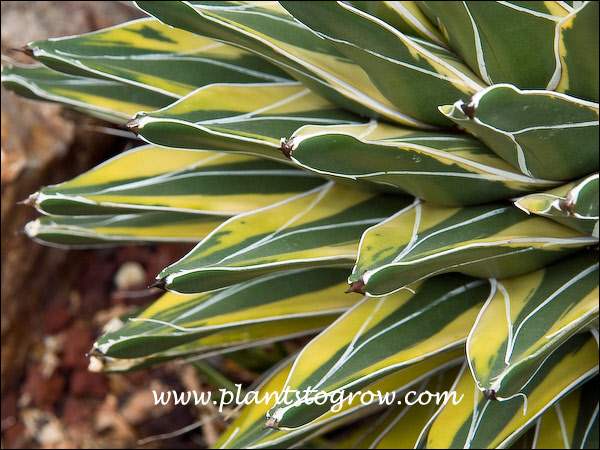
(575, 205)
(380, 336)
(159, 179)
(544, 134)
(490, 241)
(477, 422)
(318, 228)
(526, 318)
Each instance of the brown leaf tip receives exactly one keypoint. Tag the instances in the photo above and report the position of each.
(159, 284)
(490, 394)
(469, 109)
(25, 49)
(357, 286)
(271, 423)
(31, 200)
(133, 125)
(287, 147)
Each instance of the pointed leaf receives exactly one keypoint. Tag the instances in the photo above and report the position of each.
(527, 318)
(269, 31)
(446, 169)
(574, 205)
(106, 99)
(118, 229)
(154, 56)
(505, 42)
(250, 118)
(542, 133)
(175, 319)
(319, 228)
(490, 241)
(159, 179)
(477, 422)
(381, 336)
(392, 59)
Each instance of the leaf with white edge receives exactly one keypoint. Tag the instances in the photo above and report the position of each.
(159, 179)
(406, 17)
(577, 46)
(247, 118)
(319, 228)
(504, 42)
(118, 229)
(572, 422)
(489, 241)
(268, 30)
(446, 169)
(544, 134)
(175, 319)
(400, 426)
(107, 99)
(574, 205)
(380, 336)
(391, 59)
(526, 318)
(154, 56)
(247, 431)
(479, 422)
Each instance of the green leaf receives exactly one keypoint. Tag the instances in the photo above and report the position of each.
(391, 59)
(490, 241)
(321, 227)
(577, 47)
(406, 17)
(159, 179)
(477, 422)
(504, 42)
(174, 319)
(380, 336)
(247, 118)
(269, 31)
(247, 431)
(572, 422)
(118, 229)
(106, 99)
(447, 169)
(542, 133)
(154, 56)
(526, 318)
(574, 205)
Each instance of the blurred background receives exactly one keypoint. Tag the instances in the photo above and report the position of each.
(55, 302)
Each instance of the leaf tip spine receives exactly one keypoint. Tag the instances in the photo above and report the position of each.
(159, 284)
(357, 286)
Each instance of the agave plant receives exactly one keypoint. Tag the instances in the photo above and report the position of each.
(440, 157)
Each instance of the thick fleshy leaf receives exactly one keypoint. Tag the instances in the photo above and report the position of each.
(572, 422)
(542, 133)
(577, 47)
(477, 422)
(319, 228)
(401, 425)
(247, 431)
(447, 169)
(391, 59)
(504, 42)
(406, 17)
(527, 318)
(107, 99)
(175, 319)
(247, 118)
(219, 343)
(380, 336)
(118, 229)
(271, 32)
(574, 205)
(154, 56)
(490, 241)
(159, 179)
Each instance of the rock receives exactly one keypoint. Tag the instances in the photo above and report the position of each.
(42, 392)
